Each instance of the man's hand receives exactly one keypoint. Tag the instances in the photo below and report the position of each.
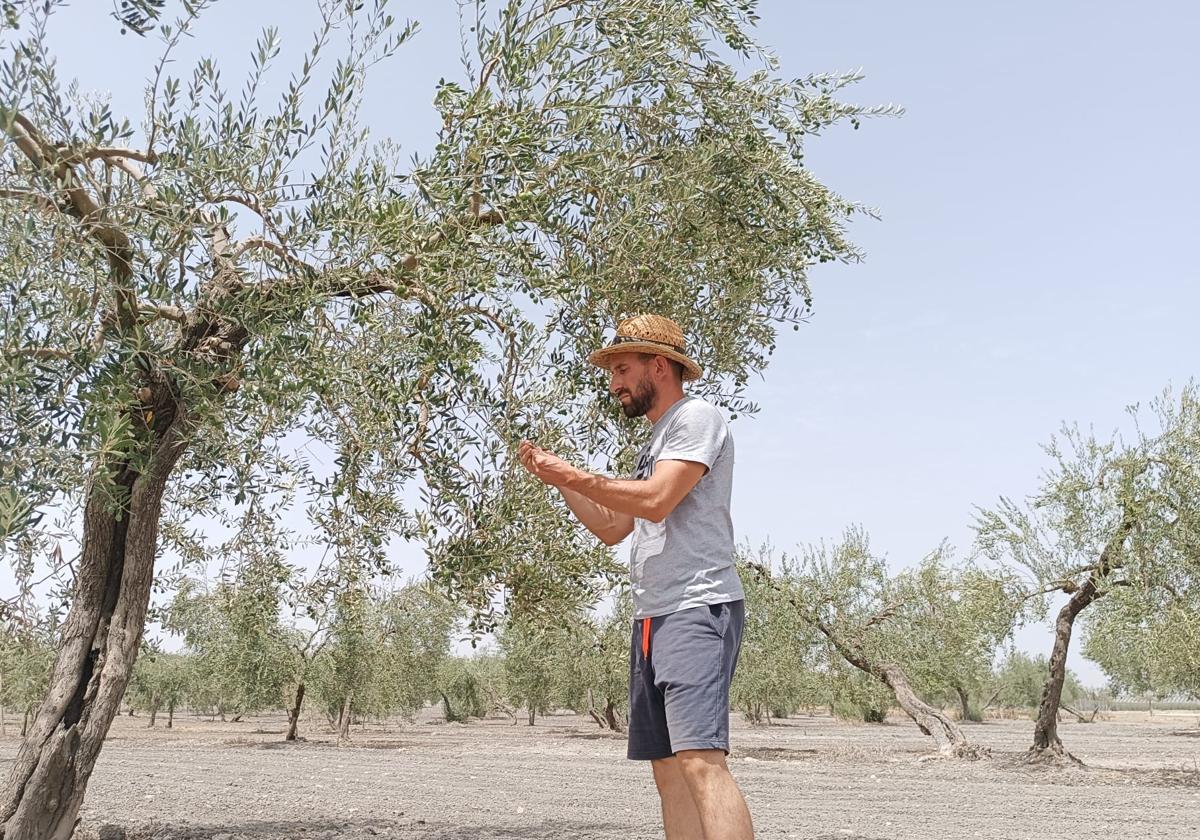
(545, 466)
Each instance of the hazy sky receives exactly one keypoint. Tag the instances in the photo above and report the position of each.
(1034, 265)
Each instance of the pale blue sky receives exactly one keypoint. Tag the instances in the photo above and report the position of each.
(1034, 263)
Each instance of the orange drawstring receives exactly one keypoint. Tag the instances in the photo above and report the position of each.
(645, 638)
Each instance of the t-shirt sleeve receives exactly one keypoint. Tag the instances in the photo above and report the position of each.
(698, 434)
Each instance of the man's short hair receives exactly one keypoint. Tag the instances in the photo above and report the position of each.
(675, 366)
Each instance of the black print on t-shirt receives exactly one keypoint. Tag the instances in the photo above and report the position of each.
(645, 466)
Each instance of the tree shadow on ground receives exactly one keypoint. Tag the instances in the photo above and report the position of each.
(600, 735)
(363, 829)
(1185, 776)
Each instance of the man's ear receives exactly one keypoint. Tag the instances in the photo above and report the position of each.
(662, 367)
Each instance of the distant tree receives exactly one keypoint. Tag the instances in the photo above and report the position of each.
(917, 631)
(160, 680)
(1110, 515)
(532, 662)
(592, 664)
(233, 626)
(385, 654)
(472, 687)
(779, 667)
(26, 653)
(1017, 682)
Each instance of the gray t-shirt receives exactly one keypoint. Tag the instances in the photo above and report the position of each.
(687, 559)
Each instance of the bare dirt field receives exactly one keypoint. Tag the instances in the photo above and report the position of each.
(809, 777)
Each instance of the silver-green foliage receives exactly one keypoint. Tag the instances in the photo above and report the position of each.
(940, 620)
(1118, 520)
(385, 653)
(26, 651)
(1016, 682)
(781, 666)
(237, 269)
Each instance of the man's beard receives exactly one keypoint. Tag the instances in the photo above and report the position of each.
(641, 398)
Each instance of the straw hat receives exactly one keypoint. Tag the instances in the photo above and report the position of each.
(652, 334)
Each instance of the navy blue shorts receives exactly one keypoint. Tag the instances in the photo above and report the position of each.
(679, 694)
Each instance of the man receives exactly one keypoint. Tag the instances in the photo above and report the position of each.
(688, 600)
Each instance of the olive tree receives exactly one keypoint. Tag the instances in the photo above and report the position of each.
(591, 663)
(185, 287)
(1017, 680)
(473, 686)
(1110, 515)
(160, 679)
(1148, 642)
(533, 664)
(916, 631)
(26, 651)
(231, 630)
(781, 661)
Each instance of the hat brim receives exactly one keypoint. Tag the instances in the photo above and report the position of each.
(600, 358)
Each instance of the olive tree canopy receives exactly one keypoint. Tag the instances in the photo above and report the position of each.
(188, 289)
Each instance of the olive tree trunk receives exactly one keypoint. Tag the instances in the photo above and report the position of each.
(344, 720)
(98, 647)
(610, 716)
(294, 713)
(946, 734)
(964, 702)
(1046, 743)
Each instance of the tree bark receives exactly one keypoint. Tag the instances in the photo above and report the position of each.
(153, 714)
(531, 715)
(1046, 743)
(945, 732)
(344, 720)
(964, 702)
(170, 714)
(98, 647)
(294, 713)
(937, 724)
(610, 716)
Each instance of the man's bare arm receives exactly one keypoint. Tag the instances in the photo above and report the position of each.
(653, 498)
(611, 527)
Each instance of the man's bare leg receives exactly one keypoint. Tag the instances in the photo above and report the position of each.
(681, 820)
(721, 806)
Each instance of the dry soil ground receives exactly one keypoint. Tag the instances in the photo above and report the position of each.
(810, 778)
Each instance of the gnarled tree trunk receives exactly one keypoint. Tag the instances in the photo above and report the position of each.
(937, 724)
(99, 645)
(964, 702)
(610, 716)
(1046, 743)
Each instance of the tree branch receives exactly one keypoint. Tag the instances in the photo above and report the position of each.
(43, 203)
(73, 156)
(161, 310)
(42, 352)
(117, 246)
